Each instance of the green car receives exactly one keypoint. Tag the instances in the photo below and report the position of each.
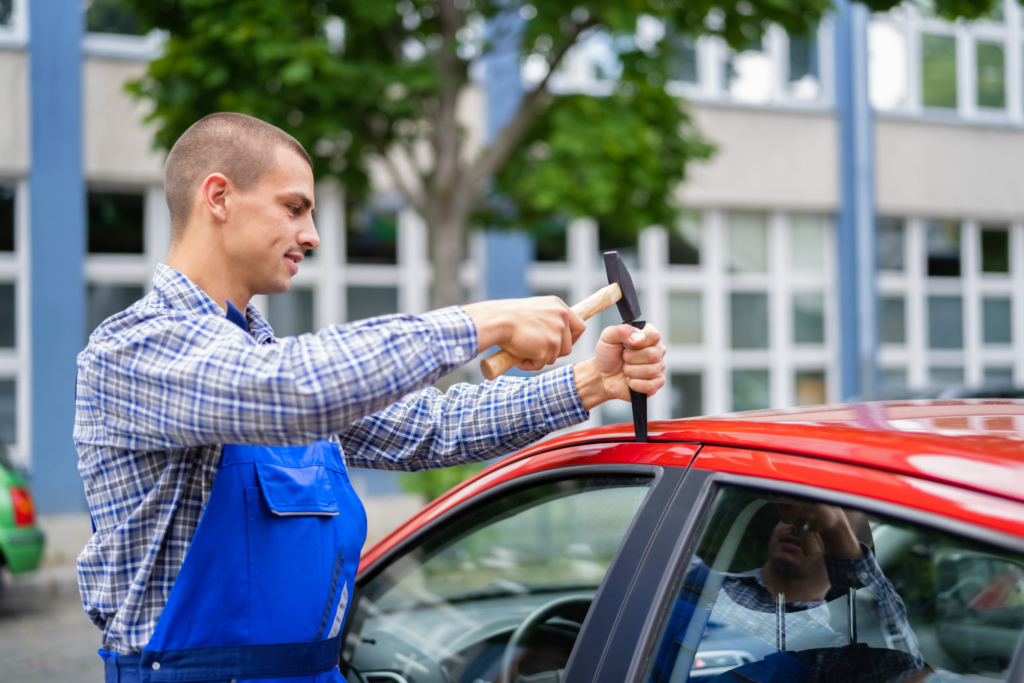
(21, 541)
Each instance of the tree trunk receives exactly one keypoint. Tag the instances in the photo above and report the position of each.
(447, 238)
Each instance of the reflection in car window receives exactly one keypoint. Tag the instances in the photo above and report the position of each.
(446, 611)
(787, 589)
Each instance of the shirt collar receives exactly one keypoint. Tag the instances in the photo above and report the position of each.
(182, 294)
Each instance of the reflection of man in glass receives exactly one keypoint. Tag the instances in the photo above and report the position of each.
(816, 554)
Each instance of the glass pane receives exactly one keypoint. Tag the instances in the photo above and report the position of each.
(893, 320)
(103, 301)
(681, 58)
(6, 12)
(887, 66)
(684, 240)
(371, 235)
(116, 223)
(999, 375)
(686, 316)
(890, 233)
(807, 243)
(768, 596)
(550, 238)
(809, 318)
(995, 12)
(8, 317)
(450, 606)
(894, 379)
(749, 318)
(291, 313)
(749, 75)
(810, 388)
(940, 376)
(748, 242)
(943, 238)
(6, 218)
(995, 315)
(619, 239)
(687, 394)
(938, 71)
(369, 302)
(112, 16)
(803, 66)
(995, 250)
(945, 322)
(991, 75)
(750, 390)
(8, 411)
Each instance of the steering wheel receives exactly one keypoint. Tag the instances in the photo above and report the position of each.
(530, 624)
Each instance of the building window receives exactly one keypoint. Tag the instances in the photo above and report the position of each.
(8, 317)
(945, 322)
(804, 83)
(686, 316)
(809, 318)
(291, 313)
(893, 324)
(807, 243)
(116, 223)
(750, 390)
(6, 218)
(112, 16)
(372, 236)
(103, 301)
(748, 242)
(8, 411)
(369, 302)
(991, 64)
(681, 60)
(938, 71)
(999, 375)
(890, 243)
(550, 240)
(749, 320)
(995, 315)
(749, 74)
(614, 238)
(943, 376)
(995, 250)
(810, 388)
(684, 240)
(687, 394)
(943, 239)
(894, 379)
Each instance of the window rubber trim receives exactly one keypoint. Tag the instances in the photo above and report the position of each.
(668, 586)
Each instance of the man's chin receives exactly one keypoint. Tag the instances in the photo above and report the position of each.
(784, 566)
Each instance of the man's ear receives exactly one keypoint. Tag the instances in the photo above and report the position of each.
(215, 195)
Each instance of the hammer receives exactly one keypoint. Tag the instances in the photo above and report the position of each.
(620, 292)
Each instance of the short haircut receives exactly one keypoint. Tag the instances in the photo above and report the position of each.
(241, 147)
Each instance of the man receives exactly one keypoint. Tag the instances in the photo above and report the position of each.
(816, 554)
(189, 410)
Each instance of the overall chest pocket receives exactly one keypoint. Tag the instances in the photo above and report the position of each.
(291, 518)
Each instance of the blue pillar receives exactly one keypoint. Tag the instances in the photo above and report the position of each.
(57, 247)
(856, 225)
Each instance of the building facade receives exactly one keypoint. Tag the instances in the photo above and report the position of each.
(746, 286)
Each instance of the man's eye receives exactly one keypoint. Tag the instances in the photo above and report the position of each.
(294, 209)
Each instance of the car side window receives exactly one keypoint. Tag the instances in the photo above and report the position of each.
(793, 589)
(500, 593)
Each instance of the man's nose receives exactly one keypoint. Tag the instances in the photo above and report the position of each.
(309, 237)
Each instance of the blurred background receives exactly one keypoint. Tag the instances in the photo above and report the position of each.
(817, 202)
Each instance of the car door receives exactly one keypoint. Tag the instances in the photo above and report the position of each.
(934, 591)
(536, 561)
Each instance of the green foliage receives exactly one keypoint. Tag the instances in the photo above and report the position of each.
(435, 483)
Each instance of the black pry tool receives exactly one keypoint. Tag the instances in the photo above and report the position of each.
(629, 309)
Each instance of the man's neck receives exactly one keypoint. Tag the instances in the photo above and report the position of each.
(795, 588)
(212, 276)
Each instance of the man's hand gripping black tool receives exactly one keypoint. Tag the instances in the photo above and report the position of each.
(629, 309)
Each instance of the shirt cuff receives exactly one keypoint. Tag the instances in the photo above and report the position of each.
(852, 573)
(560, 402)
(456, 335)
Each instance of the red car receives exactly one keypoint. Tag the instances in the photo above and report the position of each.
(865, 542)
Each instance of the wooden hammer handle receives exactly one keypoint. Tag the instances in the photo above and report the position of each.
(503, 361)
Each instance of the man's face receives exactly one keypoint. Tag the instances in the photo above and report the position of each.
(786, 554)
(270, 227)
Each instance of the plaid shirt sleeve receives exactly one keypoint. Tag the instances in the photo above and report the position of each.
(468, 423)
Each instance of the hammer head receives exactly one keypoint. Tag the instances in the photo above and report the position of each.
(629, 305)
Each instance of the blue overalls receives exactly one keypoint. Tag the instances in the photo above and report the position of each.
(264, 588)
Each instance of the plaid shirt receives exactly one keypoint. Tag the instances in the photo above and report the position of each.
(163, 385)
